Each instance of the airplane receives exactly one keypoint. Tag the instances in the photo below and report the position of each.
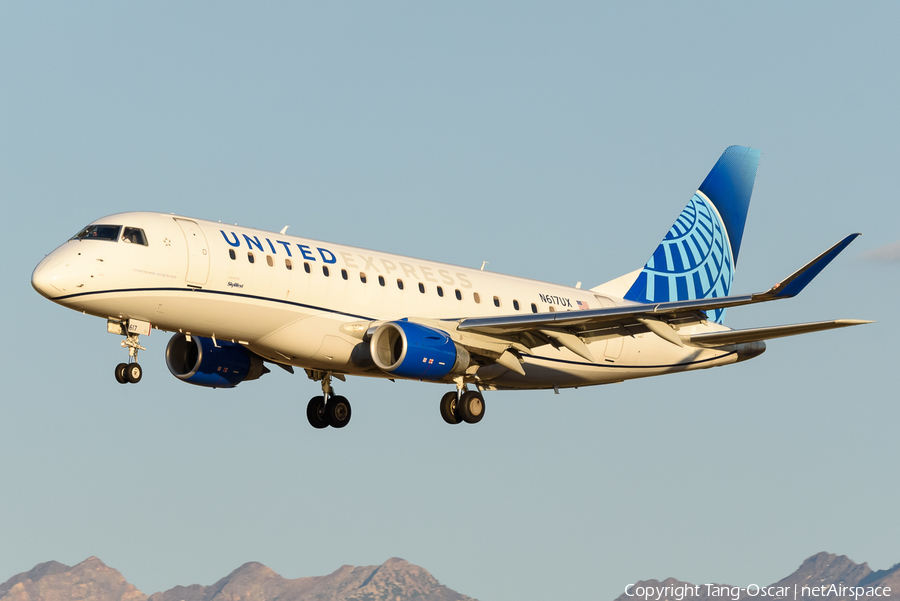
(239, 298)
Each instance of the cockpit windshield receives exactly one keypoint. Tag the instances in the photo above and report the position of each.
(98, 232)
(134, 235)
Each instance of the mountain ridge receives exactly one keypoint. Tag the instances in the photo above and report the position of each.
(92, 580)
(398, 580)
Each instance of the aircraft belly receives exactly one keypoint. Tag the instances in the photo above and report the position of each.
(640, 357)
(316, 342)
(195, 312)
(543, 373)
(120, 305)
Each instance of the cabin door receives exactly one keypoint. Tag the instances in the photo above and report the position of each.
(198, 253)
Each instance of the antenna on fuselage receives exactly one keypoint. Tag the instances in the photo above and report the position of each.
(284, 229)
(483, 263)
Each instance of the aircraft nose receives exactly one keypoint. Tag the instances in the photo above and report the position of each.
(46, 277)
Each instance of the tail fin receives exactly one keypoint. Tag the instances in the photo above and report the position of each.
(697, 257)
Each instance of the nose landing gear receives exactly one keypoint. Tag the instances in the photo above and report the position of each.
(131, 372)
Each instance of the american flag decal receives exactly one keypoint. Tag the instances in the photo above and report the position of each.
(582, 305)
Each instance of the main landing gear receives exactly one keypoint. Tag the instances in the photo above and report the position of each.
(131, 372)
(462, 406)
(328, 409)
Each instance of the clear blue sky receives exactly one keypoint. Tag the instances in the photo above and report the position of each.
(557, 141)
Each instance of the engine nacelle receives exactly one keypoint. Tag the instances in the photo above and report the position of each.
(415, 351)
(215, 365)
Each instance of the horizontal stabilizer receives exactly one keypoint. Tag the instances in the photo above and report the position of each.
(757, 334)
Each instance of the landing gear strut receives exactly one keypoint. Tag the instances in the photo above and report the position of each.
(462, 406)
(328, 409)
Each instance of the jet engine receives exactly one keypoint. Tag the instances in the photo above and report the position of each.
(202, 362)
(415, 351)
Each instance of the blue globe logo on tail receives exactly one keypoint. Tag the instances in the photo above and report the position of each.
(694, 260)
(697, 257)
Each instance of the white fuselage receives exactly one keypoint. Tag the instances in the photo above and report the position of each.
(288, 304)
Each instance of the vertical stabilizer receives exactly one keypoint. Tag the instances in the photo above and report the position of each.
(697, 257)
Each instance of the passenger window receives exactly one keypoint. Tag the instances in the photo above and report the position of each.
(421, 287)
(496, 301)
(381, 280)
(325, 270)
(288, 264)
(344, 274)
(231, 254)
(440, 291)
(399, 283)
(515, 304)
(477, 297)
(133, 235)
(458, 294)
(306, 268)
(553, 309)
(362, 277)
(250, 256)
(533, 308)
(269, 261)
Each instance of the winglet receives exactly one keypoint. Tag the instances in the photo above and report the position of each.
(797, 281)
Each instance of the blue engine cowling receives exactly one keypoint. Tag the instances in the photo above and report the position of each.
(415, 351)
(202, 362)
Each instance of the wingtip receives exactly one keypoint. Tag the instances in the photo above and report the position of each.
(797, 281)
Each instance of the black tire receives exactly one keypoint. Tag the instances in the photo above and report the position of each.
(448, 408)
(315, 412)
(120, 373)
(337, 412)
(471, 407)
(133, 373)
